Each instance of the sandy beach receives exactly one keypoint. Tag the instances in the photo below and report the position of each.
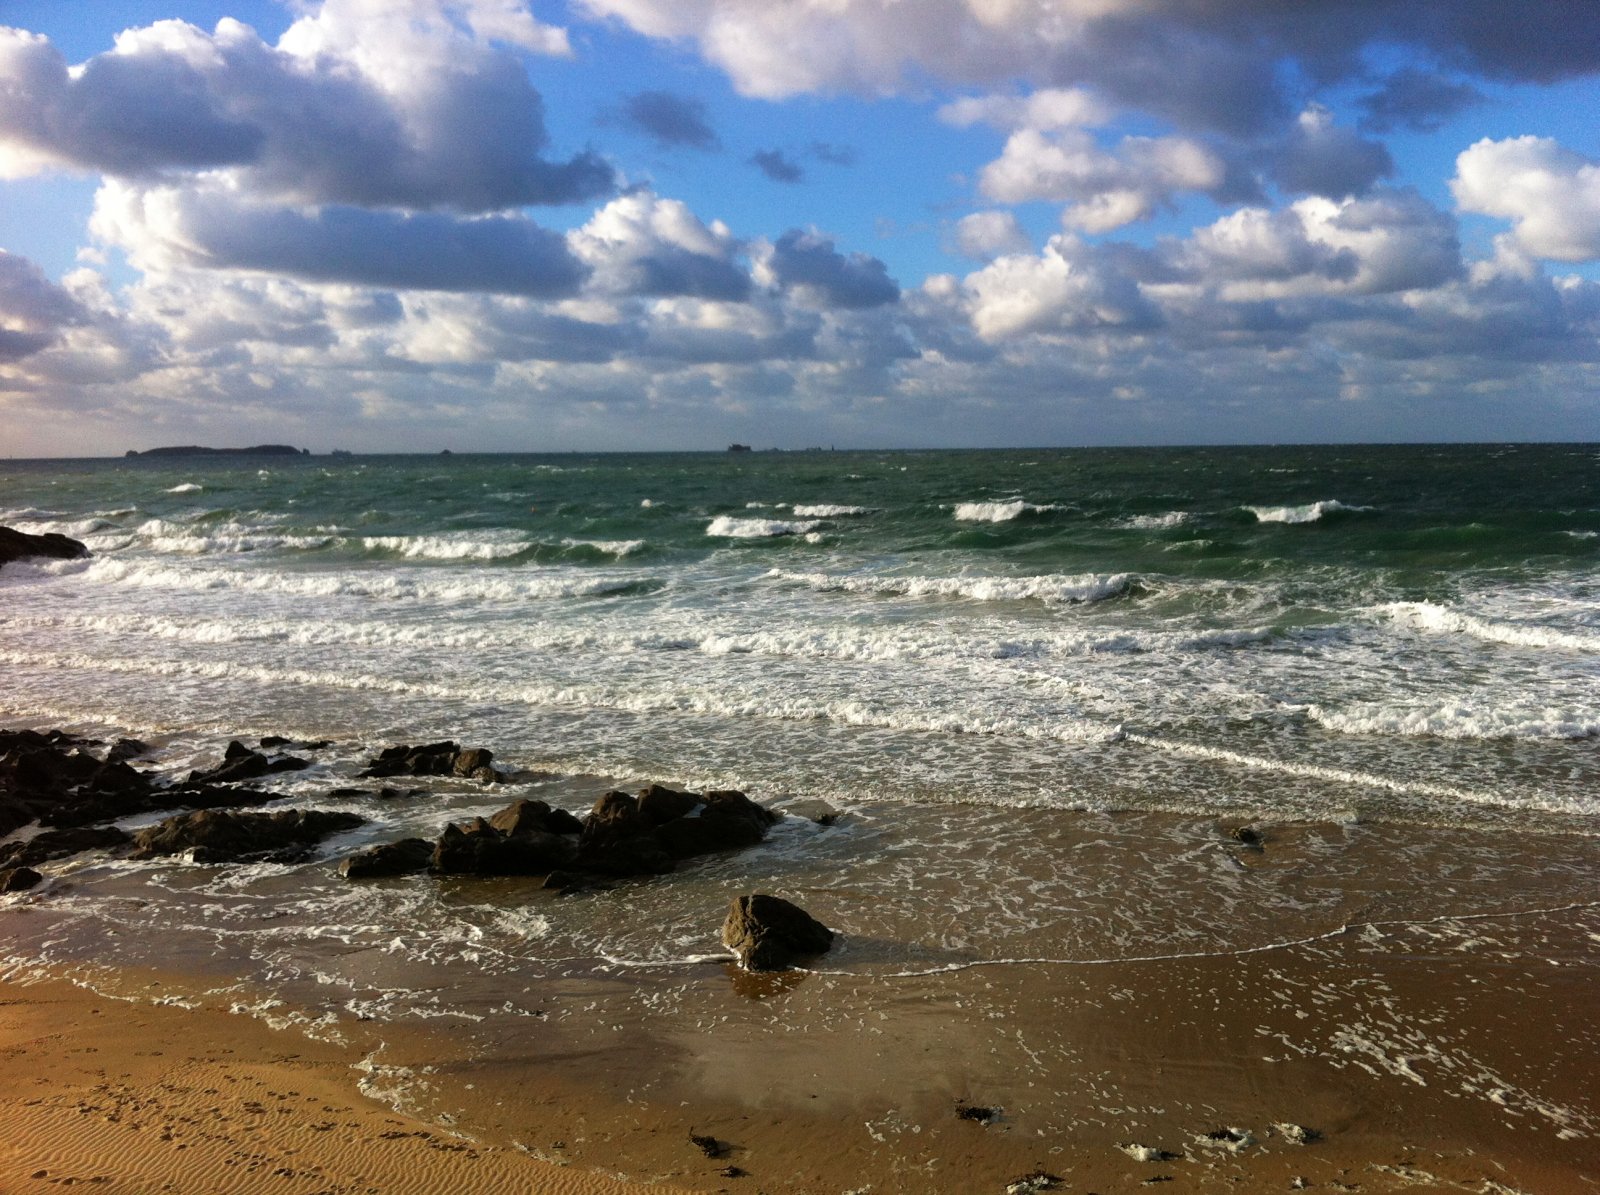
(1440, 1053)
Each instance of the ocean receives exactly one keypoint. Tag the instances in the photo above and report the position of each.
(1041, 686)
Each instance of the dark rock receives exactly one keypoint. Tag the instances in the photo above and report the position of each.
(613, 818)
(659, 804)
(526, 817)
(813, 810)
(733, 1172)
(125, 749)
(724, 821)
(1248, 836)
(479, 848)
(221, 836)
(570, 882)
(19, 545)
(710, 1146)
(277, 740)
(58, 844)
(977, 1113)
(388, 859)
(768, 933)
(19, 879)
(1028, 1184)
(639, 855)
(471, 761)
(241, 763)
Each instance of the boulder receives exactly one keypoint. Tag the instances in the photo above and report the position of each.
(723, 821)
(434, 759)
(767, 933)
(241, 763)
(478, 848)
(659, 804)
(613, 817)
(19, 879)
(388, 859)
(528, 817)
(58, 844)
(223, 836)
(19, 545)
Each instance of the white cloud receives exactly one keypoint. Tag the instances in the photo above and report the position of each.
(983, 235)
(1104, 189)
(1551, 194)
(1067, 288)
(641, 244)
(1045, 109)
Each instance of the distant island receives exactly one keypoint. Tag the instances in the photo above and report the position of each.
(197, 450)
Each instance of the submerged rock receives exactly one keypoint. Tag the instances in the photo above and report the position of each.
(647, 834)
(405, 857)
(19, 545)
(19, 879)
(241, 763)
(768, 933)
(58, 844)
(224, 836)
(434, 759)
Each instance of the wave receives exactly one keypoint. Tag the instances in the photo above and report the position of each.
(187, 487)
(1173, 518)
(508, 586)
(608, 547)
(997, 512)
(1084, 587)
(482, 546)
(1455, 720)
(827, 510)
(1311, 512)
(1441, 620)
(732, 528)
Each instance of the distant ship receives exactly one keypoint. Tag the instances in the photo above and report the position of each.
(341, 452)
(738, 448)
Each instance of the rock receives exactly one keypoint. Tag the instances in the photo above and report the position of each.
(277, 740)
(472, 762)
(58, 844)
(126, 749)
(614, 816)
(1248, 836)
(638, 855)
(19, 545)
(241, 763)
(223, 836)
(529, 817)
(659, 804)
(723, 821)
(479, 848)
(1039, 1180)
(710, 1146)
(768, 933)
(813, 810)
(19, 879)
(405, 857)
(977, 1113)
(432, 759)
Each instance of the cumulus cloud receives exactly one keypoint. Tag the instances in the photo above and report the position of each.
(984, 235)
(669, 119)
(1211, 64)
(1045, 109)
(1070, 287)
(640, 244)
(1549, 193)
(1104, 189)
(33, 310)
(807, 263)
(1320, 158)
(170, 227)
(425, 107)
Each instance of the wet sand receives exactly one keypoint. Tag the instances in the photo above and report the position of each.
(1449, 1055)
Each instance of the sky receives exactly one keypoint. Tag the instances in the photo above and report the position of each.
(579, 225)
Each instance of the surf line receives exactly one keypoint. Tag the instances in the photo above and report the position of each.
(970, 964)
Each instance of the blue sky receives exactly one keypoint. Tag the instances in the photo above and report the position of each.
(391, 224)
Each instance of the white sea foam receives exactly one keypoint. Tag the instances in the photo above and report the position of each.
(1173, 518)
(1441, 620)
(827, 510)
(485, 545)
(187, 487)
(1083, 587)
(996, 512)
(1311, 512)
(611, 547)
(1464, 719)
(732, 528)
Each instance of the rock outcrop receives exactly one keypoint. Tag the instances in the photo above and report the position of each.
(19, 545)
(241, 763)
(226, 836)
(435, 759)
(405, 857)
(767, 933)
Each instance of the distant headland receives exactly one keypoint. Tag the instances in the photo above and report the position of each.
(197, 450)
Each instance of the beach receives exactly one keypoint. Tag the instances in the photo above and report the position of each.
(1220, 817)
